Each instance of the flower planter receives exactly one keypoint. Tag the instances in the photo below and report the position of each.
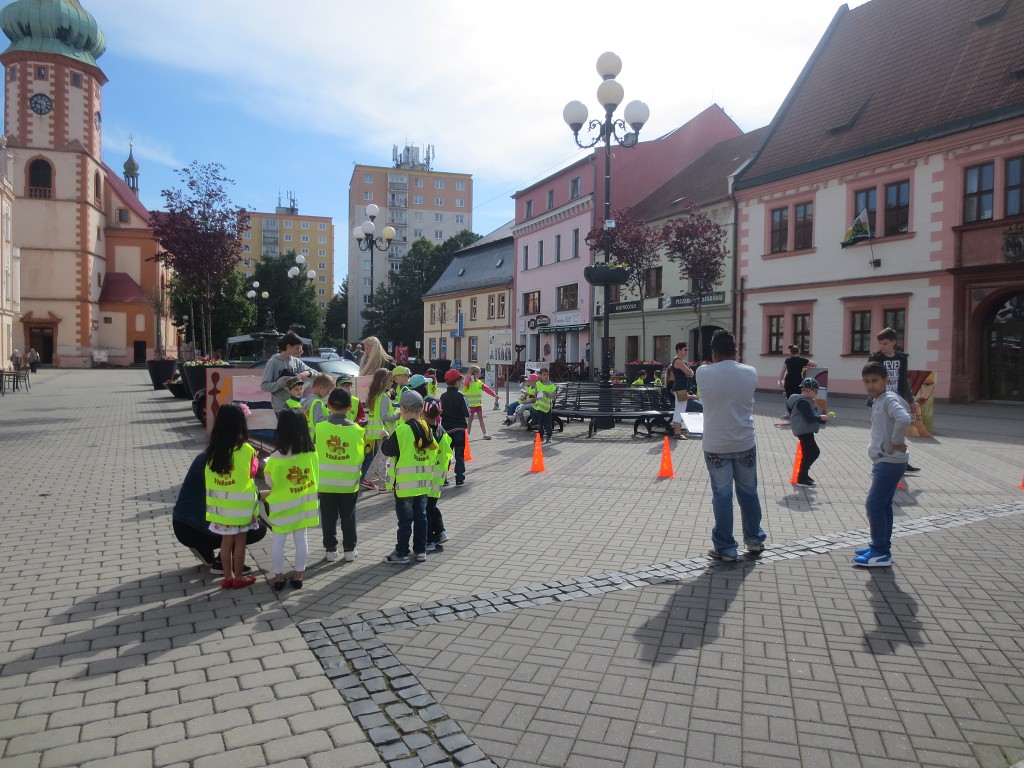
(177, 388)
(160, 371)
(602, 274)
(441, 365)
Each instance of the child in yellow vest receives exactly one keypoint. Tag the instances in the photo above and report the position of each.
(231, 497)
(542, 408)
(474, 388)
(314, 403)
(292, 473)
(414, 452)
(339, 449)
(436, 534)
(294, 386)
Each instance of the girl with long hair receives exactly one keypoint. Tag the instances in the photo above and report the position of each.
(379, 413)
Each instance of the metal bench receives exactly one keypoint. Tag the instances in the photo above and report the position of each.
(648, 407)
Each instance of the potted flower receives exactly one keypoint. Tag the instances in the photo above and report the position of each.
(608, 273)
(176, 386)
(193, 372)
(160, 370)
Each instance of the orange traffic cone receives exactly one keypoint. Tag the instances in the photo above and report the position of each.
(796, 464)
(538, 457)
(666, 461)
(900, 485)
(467, 456)
(1022, 484)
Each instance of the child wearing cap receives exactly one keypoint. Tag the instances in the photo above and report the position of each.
(340, 446)
(414, 452)
(355, 411)
(294, 386)
(473, 388)
(455, 421)
(805, 419)
(400, 376)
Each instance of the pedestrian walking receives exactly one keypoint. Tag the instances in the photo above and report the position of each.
(474, 388)
(730, 448)
(33, 360)
(16, 360)
(805, 420)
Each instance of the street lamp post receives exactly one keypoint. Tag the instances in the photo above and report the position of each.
(609, 95)
(364, 235)
(253, 294)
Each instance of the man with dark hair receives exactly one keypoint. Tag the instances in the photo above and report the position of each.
(283, 366)
(730, 450)
(897, 366)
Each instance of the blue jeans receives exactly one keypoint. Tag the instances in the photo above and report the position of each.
(458, 437)
(885, 476)
(726, 469)
(412, 518)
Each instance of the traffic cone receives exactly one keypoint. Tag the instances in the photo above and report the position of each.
(796, 464)
(538, 457)
(666, 461)
(1022, 483)
(900, 485)
(468, 456)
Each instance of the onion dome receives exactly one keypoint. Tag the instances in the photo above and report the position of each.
(61, 27)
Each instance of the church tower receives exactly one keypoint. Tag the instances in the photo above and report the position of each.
(52, 119)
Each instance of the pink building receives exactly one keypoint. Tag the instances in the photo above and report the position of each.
(553, 304)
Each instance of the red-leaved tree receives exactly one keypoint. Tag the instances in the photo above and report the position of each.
(697, 245)
(200, 236)
(634, 244)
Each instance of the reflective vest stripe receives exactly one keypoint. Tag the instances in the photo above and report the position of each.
(375, 420)
(411, 476)
(474, 392)
(231, 496)
(340, 450)
(293, 502)
(545, 396)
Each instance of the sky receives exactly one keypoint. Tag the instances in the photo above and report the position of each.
(288, 96)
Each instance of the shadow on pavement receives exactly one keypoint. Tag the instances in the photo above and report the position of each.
(895, 614)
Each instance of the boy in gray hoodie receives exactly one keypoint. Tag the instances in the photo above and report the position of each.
(805, 419)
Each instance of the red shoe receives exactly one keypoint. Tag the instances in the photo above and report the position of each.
(242, 583)
(226, 583)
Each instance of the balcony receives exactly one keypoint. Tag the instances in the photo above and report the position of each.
(40, 193)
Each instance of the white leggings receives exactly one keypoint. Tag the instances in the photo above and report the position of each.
(277, 541)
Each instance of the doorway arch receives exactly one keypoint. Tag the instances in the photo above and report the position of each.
(1002, 351)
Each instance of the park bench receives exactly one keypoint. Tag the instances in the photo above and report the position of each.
(649, 408)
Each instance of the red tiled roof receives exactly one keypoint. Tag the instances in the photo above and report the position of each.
(704, 181)
(894, 72)
(121, 287)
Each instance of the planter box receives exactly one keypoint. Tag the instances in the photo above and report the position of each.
(178, 389)
(160, 371)
(602, 274)
(441, 366)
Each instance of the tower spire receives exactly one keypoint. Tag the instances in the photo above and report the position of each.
(131, 169)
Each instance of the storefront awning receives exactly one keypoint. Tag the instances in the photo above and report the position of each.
(565, 328)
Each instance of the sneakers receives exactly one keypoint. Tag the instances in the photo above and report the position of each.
(873, 559)
(911, 469)
(460, 482)
(216, 569)
(332, 555)
(396, 559)
(714, 554)
(421, 557)
(431, 546)
(506, 422)
(487, 437)
(808, 483)
(368, 485)
(755, 549)
(442, 537)
(351, 555)
(862, 550)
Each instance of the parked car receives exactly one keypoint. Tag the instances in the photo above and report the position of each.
(330, 353)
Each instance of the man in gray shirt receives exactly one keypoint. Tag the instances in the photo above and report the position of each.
(730, 451)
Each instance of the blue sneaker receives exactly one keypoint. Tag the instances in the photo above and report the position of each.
(873, 559)
(862, 550)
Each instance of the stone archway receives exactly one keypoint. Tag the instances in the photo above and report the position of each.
(1001, 341)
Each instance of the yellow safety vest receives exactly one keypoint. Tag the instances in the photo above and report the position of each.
(413, 473)
(340, 450)
(291, 402)
(432, 387)
(530, 392)
(231, 497)
(293, 486)
(312, 408)
(444, 457)
(545, 396)
(638, 383)
(353, 411)
(375, 419)
(474, 392)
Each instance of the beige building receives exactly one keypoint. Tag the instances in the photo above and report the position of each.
(414, 199)
(10, 263)
(272, 235)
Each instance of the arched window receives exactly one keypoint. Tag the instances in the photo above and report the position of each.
(96, 189)
(40, 179)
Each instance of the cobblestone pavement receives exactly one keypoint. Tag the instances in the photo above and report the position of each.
(571, 620)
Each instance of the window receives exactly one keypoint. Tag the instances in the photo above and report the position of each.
(978, 185)
(433, 349)
(433, 313)
(367, 178)
(438, 217)
(321, 264)
(865, 200)
(417, 199)
(322, 226)
(246, 262)
(287, 224)
(490, 307)
(558, 248)
(551, 199)
(531, 303)
(458, 309)
(458, 348)
(574, 188)
(473, 348)
(526, 257)
(802, 331)
(321, 252)
(305, 251)
(501, 305)
(40, 180)
(417, 183)
(575, 244)
(460, 186)
(438, 201)
(568, 297)
(803, 226)
(1014, 185)
(305, 225)
(860, 332)
(245, 248)
(439, 234)
(287, 237)
(438, 183)
(12, 72)
(540, 253)
(529, 209)
(417, 233)
(321, 278)
(780, 230)
(247, 235)
(652, 282)
(367, 195)
(472, 308)
(321, 291)
(321, 239)
(41, 73)
(776, 333)
(444, 347)
(896, 318)
(366, 264)
(897, 208)
(460, 203)
(460, 219)
(305, 238)
(417, 216)
(76, 80)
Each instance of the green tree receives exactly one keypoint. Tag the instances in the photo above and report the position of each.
(233, 313)
(336, 317)
(292, 301)
(200, 237)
